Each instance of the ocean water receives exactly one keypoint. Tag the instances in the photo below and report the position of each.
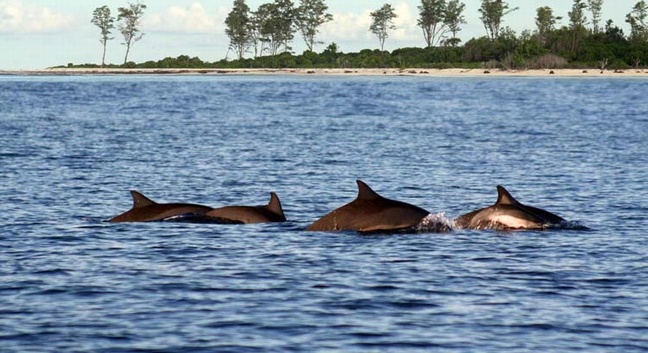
(71, 148)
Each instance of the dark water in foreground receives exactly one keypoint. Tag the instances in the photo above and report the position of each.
(72, 147)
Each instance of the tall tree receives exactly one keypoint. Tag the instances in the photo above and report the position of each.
(638, 20)
(492, 13)
(432, 20)
(382, 20)
(101, 18)
(257, 20)
(454, 18)
(545, 22)
(310, 15)
(129, 19)
(285, 22)
(263, 18)
(577, 21)
(595, 7)
(275, 25)
(238, 28)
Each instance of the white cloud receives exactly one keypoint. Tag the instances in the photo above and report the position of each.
(406, 28)
(353, 29)
(193, 19)
(347, 27)
(18, 18)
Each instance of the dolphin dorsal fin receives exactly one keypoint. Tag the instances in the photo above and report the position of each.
(504, 197)
(140, 200)
(275, 205)
(365, 192)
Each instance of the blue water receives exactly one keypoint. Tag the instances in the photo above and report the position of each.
(71, 148)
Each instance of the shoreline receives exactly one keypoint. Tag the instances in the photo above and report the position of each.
(333, 72)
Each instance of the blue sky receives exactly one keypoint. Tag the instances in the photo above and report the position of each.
(36, 34)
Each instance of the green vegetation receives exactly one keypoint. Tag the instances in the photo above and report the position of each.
(267, 34)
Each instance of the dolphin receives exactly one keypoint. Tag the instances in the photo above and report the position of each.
(509, 214)
(272, 212)
(371, 213)
(147, 210)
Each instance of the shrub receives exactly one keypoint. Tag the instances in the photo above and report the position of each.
(547, 61)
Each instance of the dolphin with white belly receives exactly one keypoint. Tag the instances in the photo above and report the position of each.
(509, 214)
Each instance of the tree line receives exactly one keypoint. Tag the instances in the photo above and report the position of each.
(266, 35)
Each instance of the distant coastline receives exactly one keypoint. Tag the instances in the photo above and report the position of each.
(327, 72)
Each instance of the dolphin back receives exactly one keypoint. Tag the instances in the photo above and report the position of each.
(506, 214)
(147, 210)
(272, 212)
(370, 212)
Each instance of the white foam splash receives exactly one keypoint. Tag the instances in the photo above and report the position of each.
(568, 225)
(435, 223)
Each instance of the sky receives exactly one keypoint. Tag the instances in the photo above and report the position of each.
(36, 34)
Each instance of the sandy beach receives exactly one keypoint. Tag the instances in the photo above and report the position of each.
(357, 72)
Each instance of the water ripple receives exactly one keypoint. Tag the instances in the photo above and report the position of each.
(72, 147)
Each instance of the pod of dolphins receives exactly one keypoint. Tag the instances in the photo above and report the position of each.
(368, 213)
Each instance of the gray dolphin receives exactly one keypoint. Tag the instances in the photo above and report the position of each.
(509, 214)
(370, 212)
(147, 210)
(272, 212)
